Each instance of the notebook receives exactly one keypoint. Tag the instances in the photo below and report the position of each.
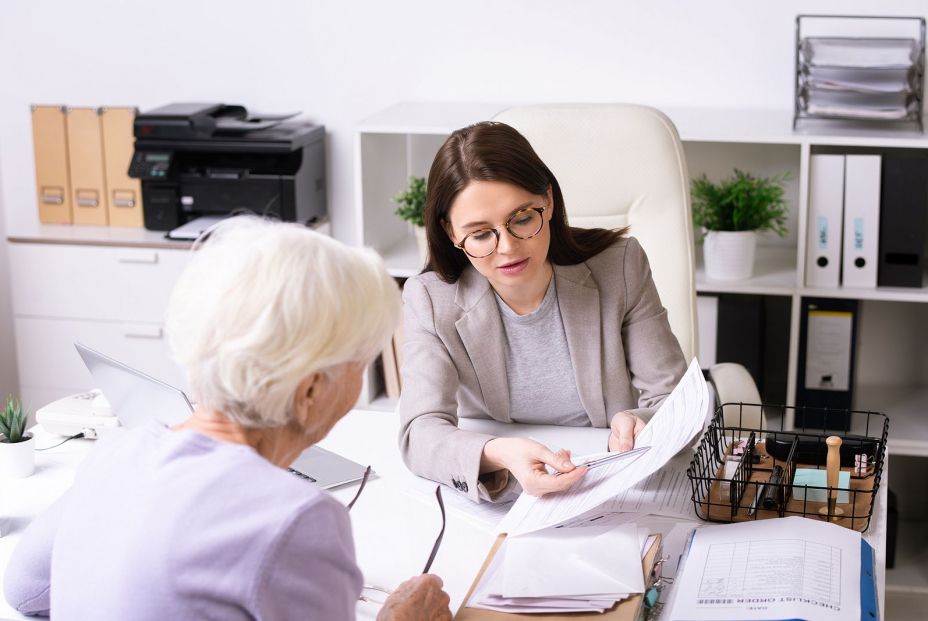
(136, 398)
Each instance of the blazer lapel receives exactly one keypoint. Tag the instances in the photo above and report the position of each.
(578, 301)
(481, 331)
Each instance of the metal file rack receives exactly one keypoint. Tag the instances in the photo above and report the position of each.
(873, 79)
(720, 498)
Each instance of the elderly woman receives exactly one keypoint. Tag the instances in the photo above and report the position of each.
(274, 325)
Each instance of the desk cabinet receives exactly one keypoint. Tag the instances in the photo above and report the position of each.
(109, 298)
(891, 373)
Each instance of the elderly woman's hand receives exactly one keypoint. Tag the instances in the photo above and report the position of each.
(526, 460)
(625, 427)
(420, 598)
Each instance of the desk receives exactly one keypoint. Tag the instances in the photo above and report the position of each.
(395, 520)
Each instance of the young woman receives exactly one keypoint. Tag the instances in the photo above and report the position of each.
(520, 318)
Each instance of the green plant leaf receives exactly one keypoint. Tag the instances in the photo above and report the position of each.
(13, 420)
(411, 202)
(741, 202)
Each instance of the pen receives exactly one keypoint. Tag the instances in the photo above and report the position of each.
(772, 490)
(602, 461)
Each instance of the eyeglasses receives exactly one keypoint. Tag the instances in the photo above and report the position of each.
(524, 223)
(375, 594)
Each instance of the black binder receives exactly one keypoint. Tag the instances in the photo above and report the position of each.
(903, 207)
(827, 344)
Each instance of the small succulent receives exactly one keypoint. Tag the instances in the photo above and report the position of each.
(13, 420)
(411, 203)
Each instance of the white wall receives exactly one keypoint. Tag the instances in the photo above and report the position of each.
(341, 61)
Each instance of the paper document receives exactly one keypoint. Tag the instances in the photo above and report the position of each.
(859, 53)
(789, 568)
(562, 570)
(681, 416)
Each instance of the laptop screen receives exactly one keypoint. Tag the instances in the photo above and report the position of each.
(135, 398)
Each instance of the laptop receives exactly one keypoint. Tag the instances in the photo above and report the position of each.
(136, 398)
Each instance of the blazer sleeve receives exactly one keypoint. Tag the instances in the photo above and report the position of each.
(430, 442)
(653, 354)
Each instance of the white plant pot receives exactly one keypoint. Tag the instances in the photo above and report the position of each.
(729, 255)
(17, 459)
(422, 243)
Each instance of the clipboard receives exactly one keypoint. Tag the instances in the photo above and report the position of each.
(628, 609)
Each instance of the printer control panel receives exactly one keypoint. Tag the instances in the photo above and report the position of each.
(150, 164)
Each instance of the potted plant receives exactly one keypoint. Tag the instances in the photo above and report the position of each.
(17, 448)
(732, 212)
(411, 208)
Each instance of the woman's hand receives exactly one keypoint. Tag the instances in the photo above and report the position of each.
(526, 460)
(420, 598)
(625, 427)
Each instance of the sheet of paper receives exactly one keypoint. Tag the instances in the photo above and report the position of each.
(592, 560)
(789, 568)
(479, 597)
(681, 416)
(485, 515)
(666, 491)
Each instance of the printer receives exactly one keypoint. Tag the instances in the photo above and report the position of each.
(200, 159)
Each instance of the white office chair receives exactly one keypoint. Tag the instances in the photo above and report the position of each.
(623, 165)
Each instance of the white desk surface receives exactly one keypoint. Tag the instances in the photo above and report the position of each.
(395, 520)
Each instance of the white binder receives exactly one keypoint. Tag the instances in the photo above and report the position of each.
(861, 220)
(826, 202)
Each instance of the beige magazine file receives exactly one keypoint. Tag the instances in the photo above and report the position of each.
(123, 193)
(85, 160)
(50, 144)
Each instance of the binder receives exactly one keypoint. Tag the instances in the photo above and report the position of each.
(826, 205)
(627, 610)
(868, 593)
(825, 378)
(861, 220)
(123, 194)
(85, 162)
(903, 206)
(52, 183)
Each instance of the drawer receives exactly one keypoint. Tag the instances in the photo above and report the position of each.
(47, 359)
(93, 282)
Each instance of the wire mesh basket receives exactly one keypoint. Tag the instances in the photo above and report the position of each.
(749, 466)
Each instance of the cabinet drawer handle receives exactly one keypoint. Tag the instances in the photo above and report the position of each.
(142, 333)
(148, 260)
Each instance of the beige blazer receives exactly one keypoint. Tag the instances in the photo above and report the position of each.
(623, 354)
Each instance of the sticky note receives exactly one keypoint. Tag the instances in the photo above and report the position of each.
(819, 478)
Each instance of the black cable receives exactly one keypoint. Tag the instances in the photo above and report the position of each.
(75, 436)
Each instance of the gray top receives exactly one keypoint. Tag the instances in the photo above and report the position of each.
(176, 525)
(542, 390)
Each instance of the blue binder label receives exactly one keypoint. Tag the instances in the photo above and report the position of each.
(822, 233)
(858, 233)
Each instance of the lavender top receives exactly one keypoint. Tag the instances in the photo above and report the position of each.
(177, 525)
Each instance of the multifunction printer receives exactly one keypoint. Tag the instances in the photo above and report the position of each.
(197, 159)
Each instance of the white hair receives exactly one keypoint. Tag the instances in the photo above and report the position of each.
(263, 305)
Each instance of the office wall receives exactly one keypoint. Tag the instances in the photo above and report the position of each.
(341, 61)
(9, 382)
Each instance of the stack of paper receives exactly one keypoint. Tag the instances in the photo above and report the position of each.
(581, 569)
(861, 78)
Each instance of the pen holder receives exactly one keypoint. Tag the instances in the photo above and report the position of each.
(740, 473)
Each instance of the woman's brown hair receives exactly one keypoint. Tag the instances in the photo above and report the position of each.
(492, 151)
